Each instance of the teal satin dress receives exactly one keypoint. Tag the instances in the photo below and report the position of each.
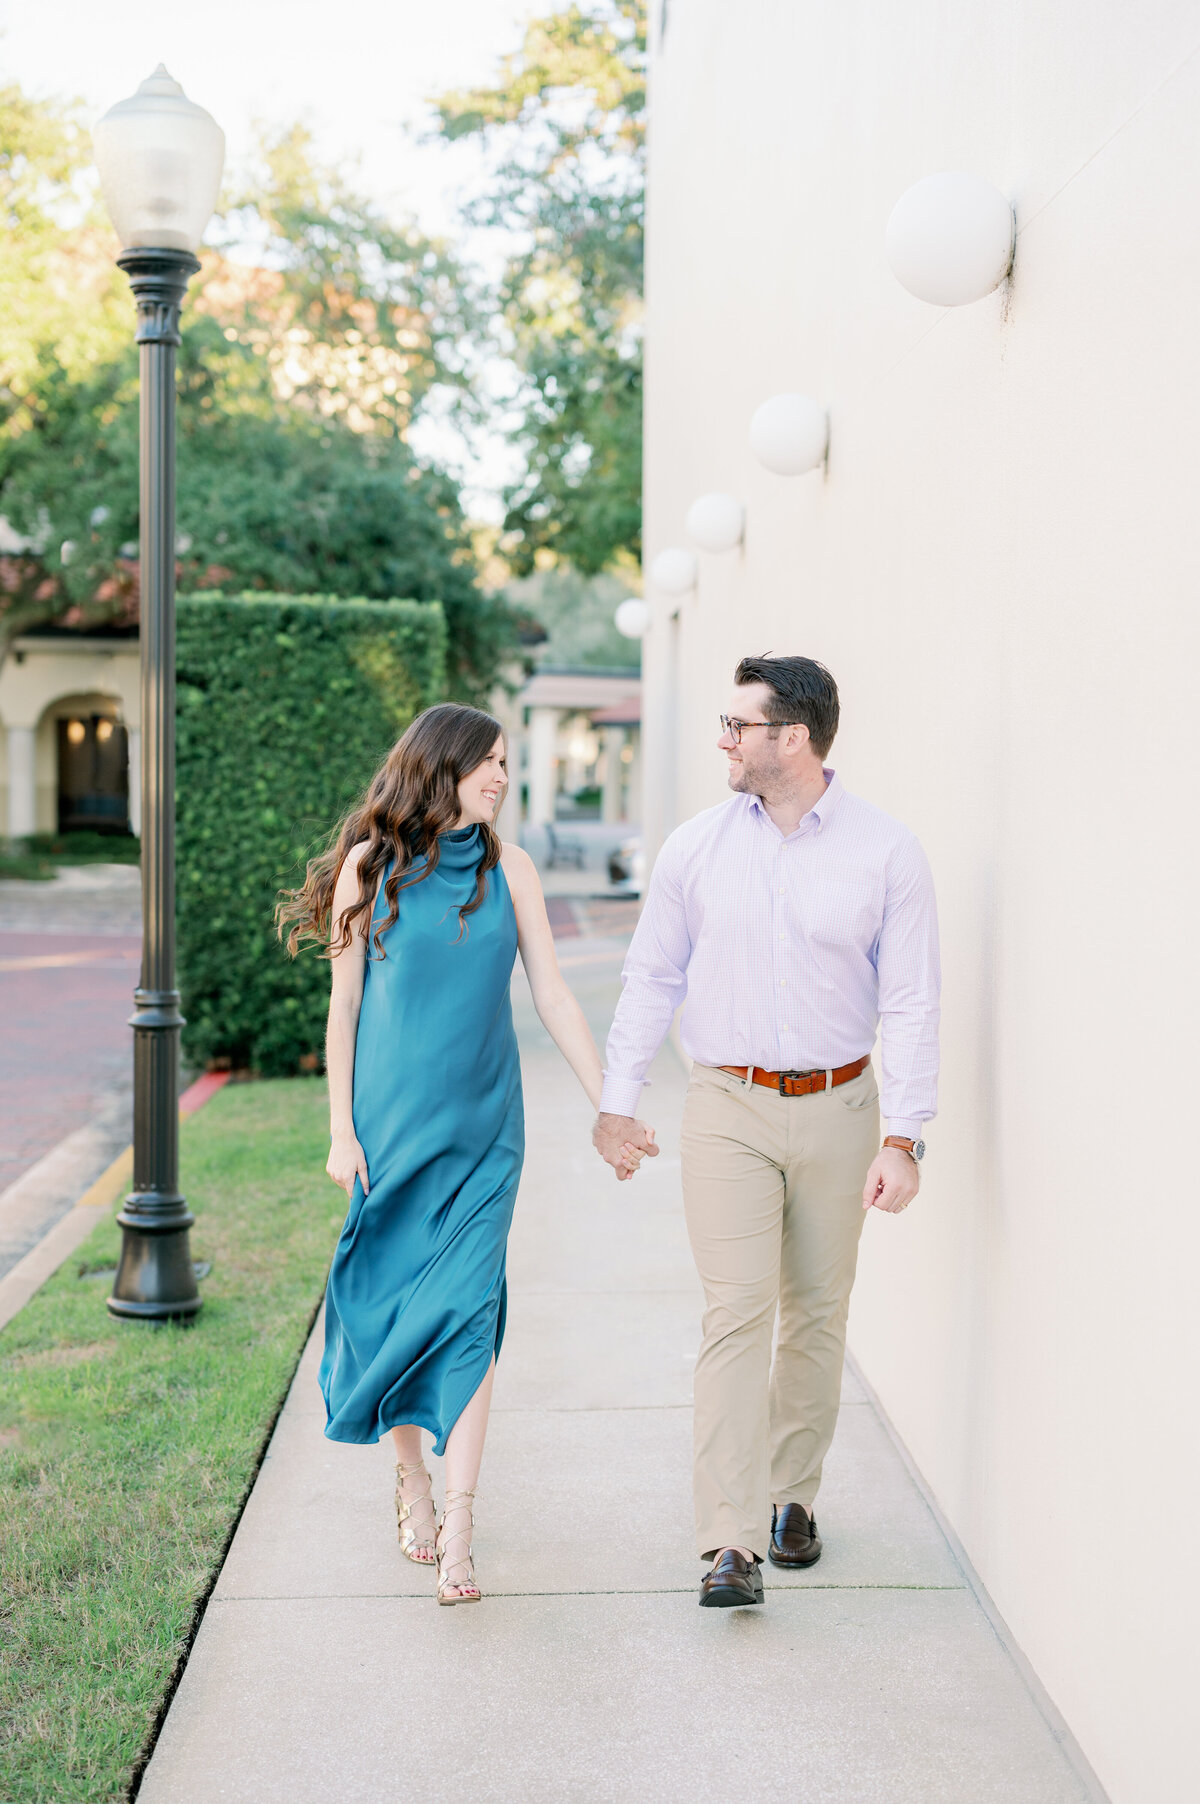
(415, 1305)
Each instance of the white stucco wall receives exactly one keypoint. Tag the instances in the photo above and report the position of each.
(1001, 568)
(42, 681)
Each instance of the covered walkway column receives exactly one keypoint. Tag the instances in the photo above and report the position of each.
(22, 795)
(612, 743)
(543, 731)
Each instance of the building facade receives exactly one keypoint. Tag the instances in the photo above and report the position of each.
(70, 734)
(578, 738)
(999, 564)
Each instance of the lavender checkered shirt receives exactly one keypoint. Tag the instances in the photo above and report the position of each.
(790, 952)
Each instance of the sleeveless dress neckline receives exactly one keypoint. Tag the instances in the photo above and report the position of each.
(461, 849)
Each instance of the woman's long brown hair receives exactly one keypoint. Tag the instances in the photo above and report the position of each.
(412, 798)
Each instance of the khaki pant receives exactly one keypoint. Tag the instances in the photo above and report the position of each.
(772, 1190)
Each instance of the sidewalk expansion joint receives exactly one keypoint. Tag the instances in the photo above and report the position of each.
(424, 1597)
(582, 1409)
(616, 1409)
(622, 1290)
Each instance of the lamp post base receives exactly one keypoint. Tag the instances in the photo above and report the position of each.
(156, 1280)
(153, 1312)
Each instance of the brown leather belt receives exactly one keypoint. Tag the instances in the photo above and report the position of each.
(801, 1083)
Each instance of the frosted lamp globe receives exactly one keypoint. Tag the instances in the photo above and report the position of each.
(715, 522)
(950, 239)
(160, 159)
(789, 434)
(632, 618)
(674, 571)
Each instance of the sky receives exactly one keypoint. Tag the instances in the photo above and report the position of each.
(358, 72)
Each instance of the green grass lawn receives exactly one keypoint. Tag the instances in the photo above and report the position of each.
(28, 867)
(34, 859)
(126, 1450)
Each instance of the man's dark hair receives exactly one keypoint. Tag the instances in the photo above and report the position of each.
(801, 690)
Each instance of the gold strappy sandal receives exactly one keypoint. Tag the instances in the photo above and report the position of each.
(467, 1589)
(420, 1549)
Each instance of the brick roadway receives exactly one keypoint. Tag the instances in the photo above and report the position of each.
(65, 1000)
(600, 916)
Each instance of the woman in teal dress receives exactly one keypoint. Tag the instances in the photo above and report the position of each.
(423, 910)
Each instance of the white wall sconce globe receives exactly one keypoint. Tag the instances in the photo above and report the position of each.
(674, 571)
(160, 159)
(632, 618)
(789, 434)
(716, 522)
(950, 239)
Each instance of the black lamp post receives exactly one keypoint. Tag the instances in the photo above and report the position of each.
(160, 160)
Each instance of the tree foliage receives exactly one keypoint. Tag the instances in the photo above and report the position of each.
(62, 319)
(566, 120)
(576, 614)
(298, 377)
(357, 317)
(58, 284)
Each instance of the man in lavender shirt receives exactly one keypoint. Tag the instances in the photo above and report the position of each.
(796, 920)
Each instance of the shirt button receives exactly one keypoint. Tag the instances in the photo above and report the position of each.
(783, 983)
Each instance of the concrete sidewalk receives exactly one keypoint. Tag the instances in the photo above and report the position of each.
(324, 1671)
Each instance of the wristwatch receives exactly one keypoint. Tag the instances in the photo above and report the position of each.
(914, 1148)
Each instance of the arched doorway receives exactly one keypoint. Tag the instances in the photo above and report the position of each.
(93, 768)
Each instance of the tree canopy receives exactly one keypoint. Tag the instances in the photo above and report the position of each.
(316, 331)
(566, 124)
(299, 375)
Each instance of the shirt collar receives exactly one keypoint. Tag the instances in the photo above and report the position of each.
(824, 806)
(821, 809)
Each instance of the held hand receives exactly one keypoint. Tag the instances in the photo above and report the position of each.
(346, 1162)
(892, 1182)
(623, 1142)
(632, 1155)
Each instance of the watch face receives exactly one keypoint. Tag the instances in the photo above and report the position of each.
(918, 1150)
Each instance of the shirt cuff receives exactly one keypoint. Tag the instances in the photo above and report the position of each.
(905, 1130)
(620, 1095)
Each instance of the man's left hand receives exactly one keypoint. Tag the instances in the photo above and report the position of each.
(623, 1142)
(892, 1182)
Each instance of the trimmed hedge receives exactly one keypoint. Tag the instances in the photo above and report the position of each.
(286, 707)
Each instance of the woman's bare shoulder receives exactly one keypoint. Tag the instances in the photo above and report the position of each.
(518, 866)
(348, 879)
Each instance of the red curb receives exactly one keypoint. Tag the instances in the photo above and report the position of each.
(197, 1094)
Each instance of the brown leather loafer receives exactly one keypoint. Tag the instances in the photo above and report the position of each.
(794, 1537)
(733, 1581)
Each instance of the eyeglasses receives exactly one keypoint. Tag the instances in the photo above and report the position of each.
(731, 724)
